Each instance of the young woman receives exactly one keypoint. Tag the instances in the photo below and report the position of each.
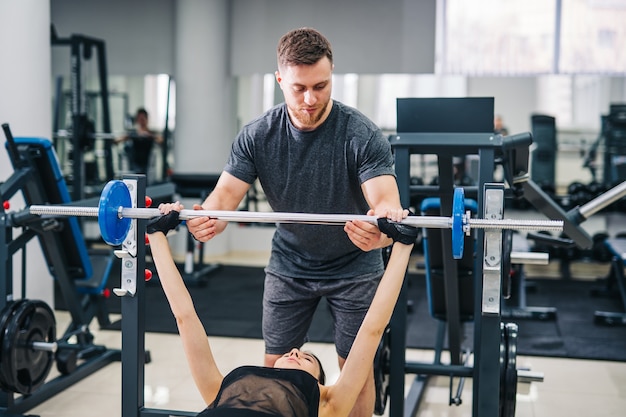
(295, 386)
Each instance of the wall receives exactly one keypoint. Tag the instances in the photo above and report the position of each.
(368, 36)
(514, 98)
(139, 34)
(24, 105)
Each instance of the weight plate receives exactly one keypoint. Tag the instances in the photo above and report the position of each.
(27, 368)
(112, 228)
(7, 314)
(503, 362)
(510, 382)
(458, 211)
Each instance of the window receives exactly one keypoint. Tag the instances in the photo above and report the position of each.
(495, 37)
(593, 37)
(524, 37)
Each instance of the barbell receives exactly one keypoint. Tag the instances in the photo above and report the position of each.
(115, 211)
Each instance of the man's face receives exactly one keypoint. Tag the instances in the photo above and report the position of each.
(307, 90)
(141, 120)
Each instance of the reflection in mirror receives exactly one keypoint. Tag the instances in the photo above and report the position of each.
(126, 94)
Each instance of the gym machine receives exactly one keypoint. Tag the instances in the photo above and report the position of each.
(121, 218)
(28, 341)
(614, 134)
(121, 203)
(423, 128)
(543, 157)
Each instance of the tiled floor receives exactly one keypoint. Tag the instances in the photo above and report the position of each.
(571, 388)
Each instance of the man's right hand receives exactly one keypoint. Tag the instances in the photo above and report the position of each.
(203, 229)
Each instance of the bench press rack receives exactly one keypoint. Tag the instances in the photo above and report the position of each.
(414, 137)
(133, 300)
(487, 333)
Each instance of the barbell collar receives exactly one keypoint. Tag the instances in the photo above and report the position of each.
(431, 222)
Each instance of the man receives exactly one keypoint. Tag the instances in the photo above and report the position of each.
(312, 154)
(498, 126)
(140, 141)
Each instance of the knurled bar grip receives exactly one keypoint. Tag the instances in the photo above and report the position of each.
(431, 222)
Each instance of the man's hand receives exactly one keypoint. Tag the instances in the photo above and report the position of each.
(203, 229)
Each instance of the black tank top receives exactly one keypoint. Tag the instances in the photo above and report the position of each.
(252, 391)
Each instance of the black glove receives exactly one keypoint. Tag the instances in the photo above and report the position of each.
(163, 223)
(399, 232)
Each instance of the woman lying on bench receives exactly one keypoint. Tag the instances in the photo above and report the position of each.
(295, 386)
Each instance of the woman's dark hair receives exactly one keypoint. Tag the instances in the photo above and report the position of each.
(303, 46)
(322, 376)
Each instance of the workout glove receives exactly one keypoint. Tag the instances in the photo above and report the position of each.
(399, 232)
(163, 223)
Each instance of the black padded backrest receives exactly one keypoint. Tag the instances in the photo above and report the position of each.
(445, 115)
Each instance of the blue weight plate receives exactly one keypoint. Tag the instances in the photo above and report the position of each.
(458, 236)
(112, 228)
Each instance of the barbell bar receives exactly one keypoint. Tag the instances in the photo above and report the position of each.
(115, 211)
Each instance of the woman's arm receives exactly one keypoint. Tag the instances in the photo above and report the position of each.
(342, 396)
(204, 370)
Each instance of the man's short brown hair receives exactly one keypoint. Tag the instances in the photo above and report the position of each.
(303, 46)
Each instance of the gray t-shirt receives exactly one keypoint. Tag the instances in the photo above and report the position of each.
(318, 171)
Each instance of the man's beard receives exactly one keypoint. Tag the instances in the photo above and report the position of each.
(308, 120)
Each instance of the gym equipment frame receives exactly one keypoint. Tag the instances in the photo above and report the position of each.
(81, 48)
(488, 331)
(29, 342)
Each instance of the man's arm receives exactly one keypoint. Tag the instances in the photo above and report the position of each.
(382, 195)
(227, 195)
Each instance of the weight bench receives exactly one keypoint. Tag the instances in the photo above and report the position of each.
(80, 274)
(85, 270)
(617, 247)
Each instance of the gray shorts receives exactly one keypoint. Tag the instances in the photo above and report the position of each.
(289, 305)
